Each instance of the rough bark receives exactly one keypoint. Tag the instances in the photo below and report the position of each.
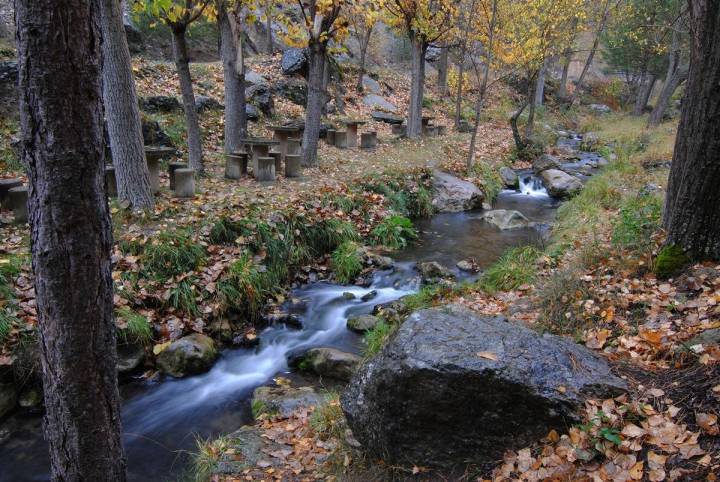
(364, 43)
(269, 45)
(59, 50)
(443, 70)
(540, 85)
(643, 95)
(459, 90)
(692, 211)
(675, 75)
(234, 82)
(530, 126)
(567, 58)
(417, 87)
(519, 143)
(315, 102)
(182, 64)
(122, 113)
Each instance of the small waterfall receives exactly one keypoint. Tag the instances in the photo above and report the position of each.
(531, 185)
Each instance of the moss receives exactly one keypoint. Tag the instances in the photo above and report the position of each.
(670, 260)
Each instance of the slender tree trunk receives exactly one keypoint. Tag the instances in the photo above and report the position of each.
(315, 102)
(59, 51)
(643, 95)
(540, 85)
(519, 143)
(234, 79)
(443, 71)
(459, 89)
(122, 113)
(269, 38)
(530, 126)
(674, 77)
(567, 58)
(692, 210)
(182, 64)
(364, 44)
(593, 50)
(417, 87)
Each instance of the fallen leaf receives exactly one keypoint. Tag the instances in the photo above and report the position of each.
(488, 355)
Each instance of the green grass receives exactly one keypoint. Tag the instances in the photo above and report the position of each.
(172, 254)
(346, 262)
(244, 287)
(225, 231)
(376, 338)
(7, 321)
(205, 460)
(394, 232)
(560, 297)
(514, 268)
(183, 297)
(419, 203)
(137, 328)
(490, 178)
(328, 421)
(638, 219)
(327, 235)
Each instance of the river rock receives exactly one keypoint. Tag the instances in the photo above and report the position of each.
(432, 271)
(189, 355)
(559, 183)
(130, 357)
(261, 96)
(392, 311)
(371, 85)
(370, 258)
(386, 117)
(509, 177)
(283, 401)
(8, 399)
(467, 265)
(160, 103)
(362, 323)
(506, 219)
(378, 102)
(600, 108)
(294, 61)
(545, 162)
(452, 194)
(370, 295)
(454, 386)
(327, 362)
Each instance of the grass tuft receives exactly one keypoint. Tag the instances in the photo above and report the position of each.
(172, 254)
(136, 328)
(638, 218)
(328, 421)
(346, 262)
(183, 297)
(514, 268)
(394, 232)
(376, 338)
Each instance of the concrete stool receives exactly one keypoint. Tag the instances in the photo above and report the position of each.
(154, 170)
(6, 185)
(294, 147)
(184, 182)
(292, 165)
(341, 139)
(235, 165)
(330, 136)
(278, 161)
(17, 199)
(266, 169)
(368, 140)
(172, 167)
(399, 129)
(110, 182)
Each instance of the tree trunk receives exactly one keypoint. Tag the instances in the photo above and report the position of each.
(567, 58)
(417, 87)
(122, 113)
(459, 90)
(182, 64)
(593, 50)
(519, 143)
(674, 77)
(269, 36)
(315, 102)
(540, 85)
(692, 210)
(59, 51)
(443, 71)
(364, 44)
(530, 126)
(643, 95)
(234, 79)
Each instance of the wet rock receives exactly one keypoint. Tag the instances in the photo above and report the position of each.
(375, 101)
(392, 311)
(327, 362)
(294, 90)
(387, 118)
(371, 85)
(189, 355)
(252, 113)
(153, 135)
(452, 194)
(559, 183)
(600, 108)
(289, 319)
(378, 261)
(283, 401)
(130, 358)
(506, 219)
(362, 323)
(509, 177)
(160, 103)
(294, 61)
(203, 103)
(222, 330)
(467, 265)
(369, 296)
(432, 271)
(479, 386)
(247, 340)
(348, 296)
(545, 162)
(8, 399)
(261, 96)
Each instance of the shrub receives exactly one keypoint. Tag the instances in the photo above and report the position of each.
(134, 328)
(514, 268)
(419, 203)
(376, 338)
(394, 232)
(490, 178)
(207, 457)
(325, 236)
(637, 221)
(346, 262)
(172, 254)
(670, 260)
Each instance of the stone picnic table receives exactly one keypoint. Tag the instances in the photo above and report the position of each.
(260, 147)
(153, 155)
(426, 120)
(352, 131)
(282, 134)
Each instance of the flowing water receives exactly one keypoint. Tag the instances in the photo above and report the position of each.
(161, 420)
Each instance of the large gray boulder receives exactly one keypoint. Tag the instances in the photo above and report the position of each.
(509, 176)
(293, 89)
(371, 85)
(252, 77)
(506, 219)
(160, 103)
(294, 61)
(545, 162)
(386, 117)
(261, 96)
(189, 355)
(327, 362)
(362, 323)
(375, 101)
(452, 194)
(559, 183)
(454, 386)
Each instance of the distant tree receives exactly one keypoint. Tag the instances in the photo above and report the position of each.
(179, 15)
(692, 210)
(61, 118)
(121, 111)
(270, 11)
(363, 18)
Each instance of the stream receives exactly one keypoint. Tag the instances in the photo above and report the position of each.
(161, 420)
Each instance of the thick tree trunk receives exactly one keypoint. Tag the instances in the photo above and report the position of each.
(59, 51)
(663, 101)
(315, 102)
(122, 113)
(443, 71)
(417, 87)
(234, 79)
(182, 64)
(692, 210)
(643, 95)
(540, 85)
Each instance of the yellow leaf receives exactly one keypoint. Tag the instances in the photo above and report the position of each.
(157, 349)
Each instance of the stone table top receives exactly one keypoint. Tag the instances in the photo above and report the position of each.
(259, 141)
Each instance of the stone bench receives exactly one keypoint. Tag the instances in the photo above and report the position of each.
(399, 130)
(184, 183)
(6, 185)
(294, 147)
(292, 165)
(265, 169)
(17, 199)
(368, 140)
(278, 156)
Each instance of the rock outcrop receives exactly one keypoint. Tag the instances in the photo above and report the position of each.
(378, 102)
(509, 177)
(559, 183)
(453, 386)
(362, 323)
(452, 194)
(545, 162)
(506, 219)
(294, 61)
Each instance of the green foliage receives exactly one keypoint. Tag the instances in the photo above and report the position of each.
(419, 203)
(225, 231)
(346, 262)
(9, 161)
(394, 232)
(245, 287)
(406, 194)
(7, 320)
(376, 338)
(172, 254)
(514, 268)
(427, 102)
(327, 235)
(670, 260)
(637, 221)
(10, 268)
(428, 296)
(207, 457)
(260, 408)
(328, 420)
(183, 297)
(490, 178)
(137, 328)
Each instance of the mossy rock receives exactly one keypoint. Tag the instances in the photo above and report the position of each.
(670, 260)
(189, 355)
